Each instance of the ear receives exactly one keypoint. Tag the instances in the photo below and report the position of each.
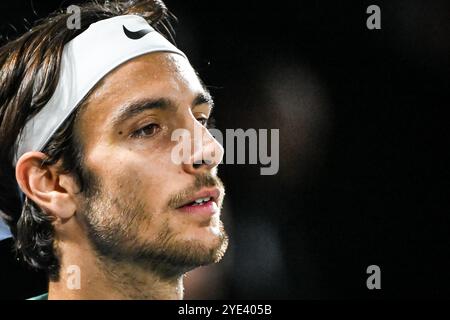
(50, 189)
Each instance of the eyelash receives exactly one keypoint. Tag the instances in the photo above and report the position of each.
(207, 122)
(137, 133)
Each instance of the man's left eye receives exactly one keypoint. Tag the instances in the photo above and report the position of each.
(203, 121)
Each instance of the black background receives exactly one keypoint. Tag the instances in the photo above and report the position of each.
(367, 184)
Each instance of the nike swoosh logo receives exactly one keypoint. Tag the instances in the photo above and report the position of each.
(135, 35)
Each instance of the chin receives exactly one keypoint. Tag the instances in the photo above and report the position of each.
(209, 237)
(212, 240)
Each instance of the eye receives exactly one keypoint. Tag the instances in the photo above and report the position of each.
(203, 121)
(147, 131)
(209, 123)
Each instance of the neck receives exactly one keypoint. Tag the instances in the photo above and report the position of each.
(83, 275)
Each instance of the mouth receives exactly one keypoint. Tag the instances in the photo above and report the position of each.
(204, 202)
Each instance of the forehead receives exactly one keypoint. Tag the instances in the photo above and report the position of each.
(154, 75)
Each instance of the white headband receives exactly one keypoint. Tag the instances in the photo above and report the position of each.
(85, 61)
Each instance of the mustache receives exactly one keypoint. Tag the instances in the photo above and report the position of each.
(204, 180)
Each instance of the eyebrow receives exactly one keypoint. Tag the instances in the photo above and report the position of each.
(203, 98)
(136, 107)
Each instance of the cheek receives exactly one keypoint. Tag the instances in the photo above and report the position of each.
(148, 177)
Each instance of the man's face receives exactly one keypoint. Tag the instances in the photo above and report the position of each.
(135, 213)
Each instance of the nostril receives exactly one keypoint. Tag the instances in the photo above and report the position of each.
(198, 164)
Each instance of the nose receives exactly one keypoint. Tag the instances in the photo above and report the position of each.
(206, 154)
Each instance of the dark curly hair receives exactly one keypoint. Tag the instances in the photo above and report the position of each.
(29, 70)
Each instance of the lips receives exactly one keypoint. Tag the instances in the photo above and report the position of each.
(203, 202)
(202, 197)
